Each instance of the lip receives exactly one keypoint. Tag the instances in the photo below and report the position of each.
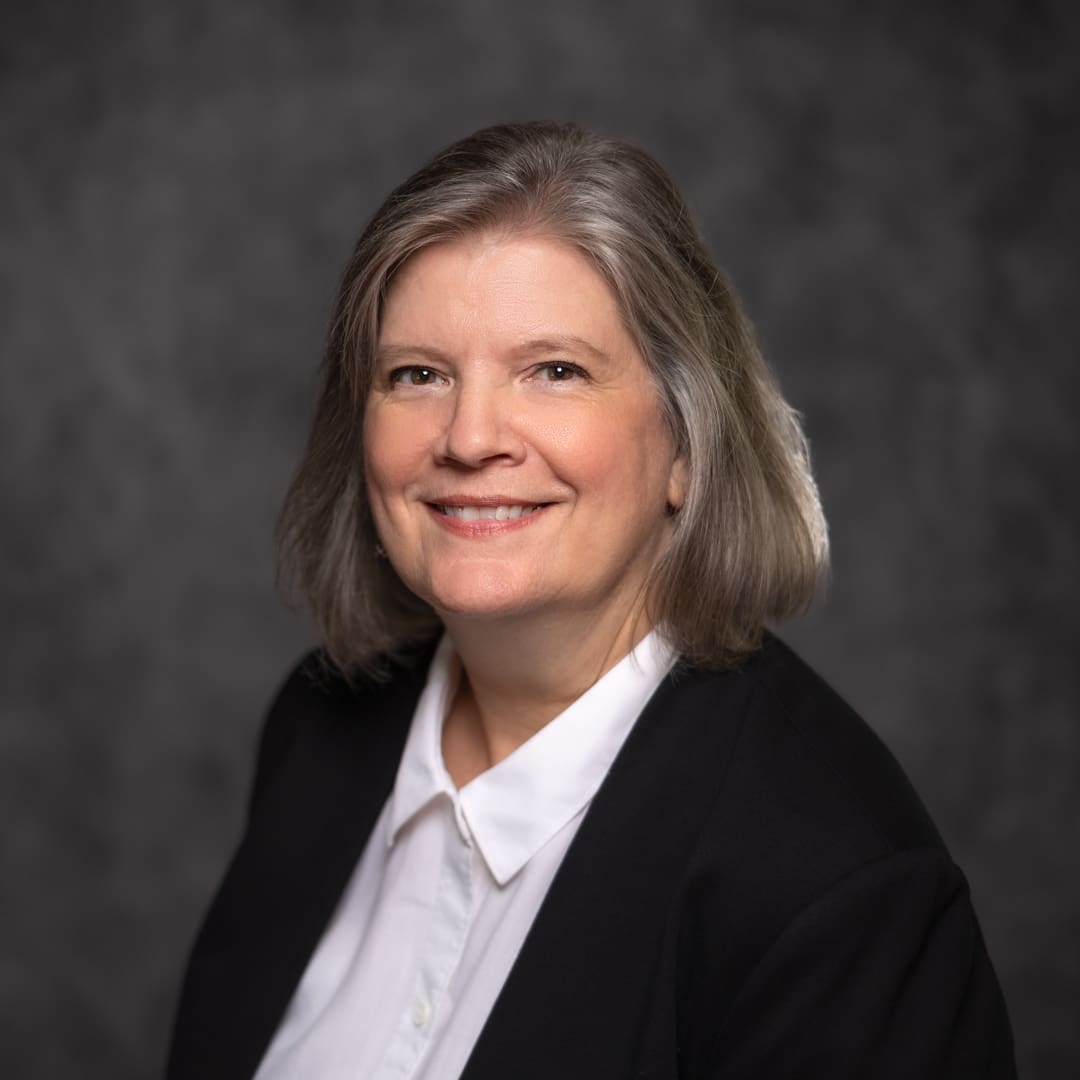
(485, 526)
(501, 499)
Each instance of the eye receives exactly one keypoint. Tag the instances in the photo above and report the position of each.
(414, 375)
(558, 371)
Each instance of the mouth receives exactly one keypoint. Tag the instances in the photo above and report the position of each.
(500, 512)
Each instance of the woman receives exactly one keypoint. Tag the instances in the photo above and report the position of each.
(550, 801)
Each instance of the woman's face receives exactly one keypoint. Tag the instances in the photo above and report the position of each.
(516, 458)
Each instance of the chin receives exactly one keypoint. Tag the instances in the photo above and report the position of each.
(480, 607)
(491, 595)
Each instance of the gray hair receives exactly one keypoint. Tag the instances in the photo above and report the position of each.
(749, 542)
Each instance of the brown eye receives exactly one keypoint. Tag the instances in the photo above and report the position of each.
(563, 372)
(413, 376)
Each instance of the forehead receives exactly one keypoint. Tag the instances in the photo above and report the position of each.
(505, 287)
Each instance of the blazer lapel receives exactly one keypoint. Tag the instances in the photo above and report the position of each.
(303, 841)
(584, 986)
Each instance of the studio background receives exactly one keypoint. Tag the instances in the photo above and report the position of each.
(894, 190)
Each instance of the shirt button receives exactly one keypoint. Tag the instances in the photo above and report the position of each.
(421, 1013)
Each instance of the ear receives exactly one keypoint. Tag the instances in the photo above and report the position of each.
(677, 484)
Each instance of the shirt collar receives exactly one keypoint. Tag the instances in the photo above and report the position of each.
(422, 775)
(514, 808)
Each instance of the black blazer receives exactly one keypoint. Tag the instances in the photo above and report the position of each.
(756, 891)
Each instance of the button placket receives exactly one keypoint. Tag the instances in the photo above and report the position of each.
(451, 915)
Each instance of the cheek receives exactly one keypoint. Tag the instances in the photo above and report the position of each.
(564, 438)
(626, 457)
(389, 456)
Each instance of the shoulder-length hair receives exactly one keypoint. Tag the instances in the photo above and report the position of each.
(749, 541)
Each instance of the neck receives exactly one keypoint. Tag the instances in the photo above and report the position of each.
(517, 675)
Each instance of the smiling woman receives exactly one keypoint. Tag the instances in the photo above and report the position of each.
(550, 800)
(492, 470)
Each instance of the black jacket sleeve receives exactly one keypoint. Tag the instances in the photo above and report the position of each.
(884, 976)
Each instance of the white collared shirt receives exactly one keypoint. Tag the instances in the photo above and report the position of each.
(450, 881)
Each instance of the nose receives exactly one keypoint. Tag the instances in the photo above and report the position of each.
(479, 427)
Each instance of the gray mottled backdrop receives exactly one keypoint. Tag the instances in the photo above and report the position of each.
(894, 188)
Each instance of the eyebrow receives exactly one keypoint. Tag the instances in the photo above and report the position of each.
(543, 346)
(560, 343)
(399, 354)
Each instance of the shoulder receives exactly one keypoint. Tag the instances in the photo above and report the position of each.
(820, 891)
(811, 767)
(804, 795)
(316, 702)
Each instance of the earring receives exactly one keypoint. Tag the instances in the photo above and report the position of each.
(380, 552)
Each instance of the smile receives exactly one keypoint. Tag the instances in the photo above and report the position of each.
(504, 512)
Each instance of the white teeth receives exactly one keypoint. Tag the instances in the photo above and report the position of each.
(489, 513)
